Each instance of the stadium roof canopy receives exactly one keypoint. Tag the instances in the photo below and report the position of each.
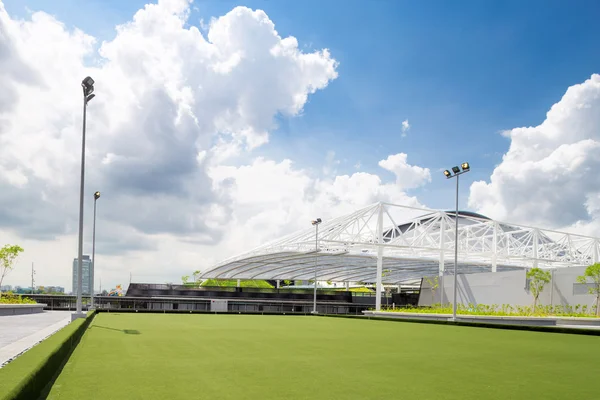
(398, 243)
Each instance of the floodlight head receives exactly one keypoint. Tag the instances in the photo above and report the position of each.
(448, 174)
(465, 166)
(88, 98)
(88, 87)
(96, 195)
(456, 170)
(316, 221)
(88, 82)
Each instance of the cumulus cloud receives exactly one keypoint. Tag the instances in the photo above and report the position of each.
(271, 199)
(176, 107)
(407, 176)
(549, 176)
(166, 94)
(405, 128)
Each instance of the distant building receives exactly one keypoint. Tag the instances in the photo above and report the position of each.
(5, 288)
(52, 289)
(87, 273)
(22, 290)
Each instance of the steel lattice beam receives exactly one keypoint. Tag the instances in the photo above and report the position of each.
(413, 243)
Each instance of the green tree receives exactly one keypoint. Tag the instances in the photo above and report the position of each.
(538, 278)
(196, 275)
(8, 256)
(185, 279)
(196, 278)
(434, 283)
(592, 273)
(388, 291)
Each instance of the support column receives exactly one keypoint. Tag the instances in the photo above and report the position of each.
(495, 248)
(347, 286)
(277, 283)
(552, 289)
(535, 248)
(238, 283)
(379, 282)
(595, 252)
(442, 267)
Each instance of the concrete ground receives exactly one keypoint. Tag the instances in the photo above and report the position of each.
(579, 326)
(21, 332)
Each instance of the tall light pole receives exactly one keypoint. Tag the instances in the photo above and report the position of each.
(316, 223)
(96, 197)
(88, 88)
(457, 172)
(32, 279)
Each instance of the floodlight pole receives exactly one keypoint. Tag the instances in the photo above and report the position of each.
(316, 223)
(81, 187)
(457, 171)
(316, 250)
(32, 280)
(455, 251)
(88, 87)
(93, 271)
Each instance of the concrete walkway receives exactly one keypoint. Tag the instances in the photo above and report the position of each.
(19, 333)
(579, 326)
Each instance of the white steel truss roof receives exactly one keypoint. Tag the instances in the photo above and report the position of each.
(411, 243)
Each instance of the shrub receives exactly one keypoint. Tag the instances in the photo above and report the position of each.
(10, 298)
(250, 283)
(504, 310)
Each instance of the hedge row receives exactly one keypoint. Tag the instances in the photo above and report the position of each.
(28, 376)
(552, 329)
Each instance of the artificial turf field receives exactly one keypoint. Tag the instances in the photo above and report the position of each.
(170, 356)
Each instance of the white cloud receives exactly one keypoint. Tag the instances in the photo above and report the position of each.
(269, 198)
(549, 176)
(405, 128)
(174, 111)
(407, 176)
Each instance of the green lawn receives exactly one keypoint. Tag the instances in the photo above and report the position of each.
(170, 356)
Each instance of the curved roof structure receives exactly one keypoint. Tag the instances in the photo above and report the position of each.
(399, 243)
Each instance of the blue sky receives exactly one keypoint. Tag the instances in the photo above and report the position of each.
(460, 72)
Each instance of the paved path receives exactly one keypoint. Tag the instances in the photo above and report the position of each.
(21, 332)
(579, 326)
